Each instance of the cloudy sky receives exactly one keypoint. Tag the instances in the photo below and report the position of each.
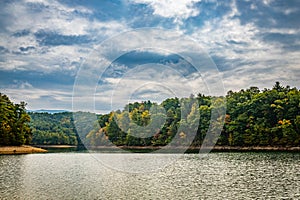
(45, 45)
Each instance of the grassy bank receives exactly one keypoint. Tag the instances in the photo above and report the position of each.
(24, 149)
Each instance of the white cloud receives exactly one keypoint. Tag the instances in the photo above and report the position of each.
(56, 5)
(51, 17)
(13, 64)
(281, 30)
(20, 85)
(247, 57)
(53, 59)
(56, 17)
(177, 9)
(14, 43)
(38, 98)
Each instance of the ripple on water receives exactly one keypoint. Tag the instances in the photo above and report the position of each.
(216, 176)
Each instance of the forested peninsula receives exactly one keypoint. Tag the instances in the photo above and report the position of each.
(254, 119)
(15, 130)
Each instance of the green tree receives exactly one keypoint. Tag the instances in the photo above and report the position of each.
(14, 128)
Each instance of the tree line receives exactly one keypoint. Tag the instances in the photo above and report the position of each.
(269, 117)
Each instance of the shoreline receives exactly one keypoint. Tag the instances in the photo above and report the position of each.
(54, 146)
(26, 149)
(256, 148)
(23, 149)
(197, 149)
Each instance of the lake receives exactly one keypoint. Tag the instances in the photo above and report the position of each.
(78, 175)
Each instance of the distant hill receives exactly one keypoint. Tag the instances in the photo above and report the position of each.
(48, 111)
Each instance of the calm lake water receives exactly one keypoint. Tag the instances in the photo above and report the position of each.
(217, 176)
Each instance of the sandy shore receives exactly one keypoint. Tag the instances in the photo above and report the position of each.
(24, 149)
